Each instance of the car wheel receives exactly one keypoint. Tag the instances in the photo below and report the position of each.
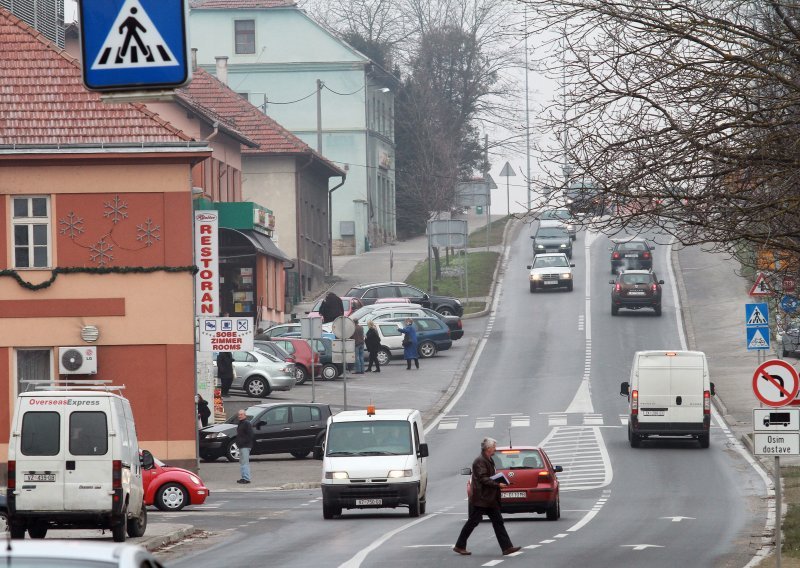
(445, 310)
(137, 526)
(300, 454)
(533, 288)
(172, 497)
(118, 528)
(634, 439)
(427, 349)
(329, 511)
(17, 532)
(554, 512)
(300, 375)
(705, 440)
(613, 270)
(569, 287)
(3, 523)
(422, 506)
(658, 310)
(413, 507)
(38, 530)
(614, 310)
(384, 356)
(256, 387)
(330, 371)
(232, 452)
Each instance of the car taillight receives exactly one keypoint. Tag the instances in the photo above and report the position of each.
(116, 474)
(706, 402)
(459, 325)
(635, 402)
(12, 474)
(618, 287)
(544, 476)
(615, 255)
(654, 287)
(645, 255)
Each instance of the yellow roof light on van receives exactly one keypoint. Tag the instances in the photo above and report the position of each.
(371, 410)
(670, 354)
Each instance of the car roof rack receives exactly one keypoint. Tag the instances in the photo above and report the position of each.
(62, 385)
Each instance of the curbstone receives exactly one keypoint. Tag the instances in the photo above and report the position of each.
(177, 535)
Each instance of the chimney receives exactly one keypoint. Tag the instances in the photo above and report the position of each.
(222, 68)
(194, 59)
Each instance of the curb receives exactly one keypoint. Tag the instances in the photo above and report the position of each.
(169, 538)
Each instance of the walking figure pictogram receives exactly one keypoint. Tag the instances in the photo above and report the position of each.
(132, 25)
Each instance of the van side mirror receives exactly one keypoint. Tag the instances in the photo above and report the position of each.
(660, 281)
(558, 468)
(713, 390)
(533, 236)
(261, 423)
(529, 266)
(147, 460)
(465, 471)
(423, 451)
(612, 281)
(624, 388)
(317, 452)
(572, 265)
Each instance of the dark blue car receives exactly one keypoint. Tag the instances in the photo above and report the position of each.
(433, 335)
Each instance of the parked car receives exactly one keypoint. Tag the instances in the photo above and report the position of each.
(636, 289)
(433, 336)
(552, 239)
(359, 314)
(280, 428)
(62, 553)
(279, 330)
(454, 323)
(563, 216)
(273, 349)
(534, 484)
(324, 348)
(171, 488)
(3, 514)
(633, 253)
(348, 304)
(301, 352)
(550, 271)
(258, 373)
(370, 293)
(790, 342)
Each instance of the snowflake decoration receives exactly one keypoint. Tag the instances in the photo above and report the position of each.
(100, 252)
(72, 225)
(117, 210)
(147, 232)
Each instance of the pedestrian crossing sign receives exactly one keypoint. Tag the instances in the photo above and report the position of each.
(756, 314)
(134, 44)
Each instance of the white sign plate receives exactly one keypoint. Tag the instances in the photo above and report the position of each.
(777, 420)
(349, 350)
(776, 444)
(343, 327)
(226, 334)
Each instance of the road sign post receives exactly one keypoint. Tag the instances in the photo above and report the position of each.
(311, 330)
(344, 328)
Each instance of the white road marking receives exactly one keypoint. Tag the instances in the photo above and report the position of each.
(520, 421)
(679, 519)
(640, 546)
(492, 563)
(557, 420)
(546, 541)
(448, 423)
(356, 560)
(532, 546)
(485, 422)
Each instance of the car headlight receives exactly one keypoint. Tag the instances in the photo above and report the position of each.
(566, 275)
(195, 480)
(536, 276)
(563, 246)
(399, 473)
(539, 246)
(458, 302)
(336, 475)
(570, 227)
(218, 435)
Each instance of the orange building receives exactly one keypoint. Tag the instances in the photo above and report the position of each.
(95, 243)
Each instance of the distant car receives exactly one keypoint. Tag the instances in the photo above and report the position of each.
(349, 305)
(324, 347)
(274, 349)
(550, 271)
(790, 342)
(3, 514)
(172, 488)
(563, 216)
(634, 253)
(301, 352)
(359, 314)
(258, 373)
(67, 553)
(370, 293)
(636, 289)
(280, 330)
(534, 484)
(414, 311)
(280, 428)
(433, 336)
(552, 239)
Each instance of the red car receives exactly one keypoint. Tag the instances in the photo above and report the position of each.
(534, 484)
(171, 488)
(300, 351)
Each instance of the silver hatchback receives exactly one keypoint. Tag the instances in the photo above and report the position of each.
(258, 373)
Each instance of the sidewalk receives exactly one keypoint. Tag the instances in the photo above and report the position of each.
(156, 535)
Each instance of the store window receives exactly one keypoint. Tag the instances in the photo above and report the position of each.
(237, 269)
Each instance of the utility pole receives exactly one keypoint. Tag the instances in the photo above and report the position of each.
(486, 180)
(319, 116)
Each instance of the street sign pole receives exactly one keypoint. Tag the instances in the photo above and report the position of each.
(777, 482)
(344, 373)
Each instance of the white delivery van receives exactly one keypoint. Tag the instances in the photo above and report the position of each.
(373, 459)
(669, 394)
(73, 462)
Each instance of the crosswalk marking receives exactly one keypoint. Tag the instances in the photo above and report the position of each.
(593, 419)
(562, 421)
(520, 421)
(448, 423)
(486, 422)
(557, 420)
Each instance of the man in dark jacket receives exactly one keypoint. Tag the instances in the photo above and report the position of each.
(244, 440)
(485, 500)
(225, 371)
(331, 308)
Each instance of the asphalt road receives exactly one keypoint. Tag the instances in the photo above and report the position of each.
(547, 372)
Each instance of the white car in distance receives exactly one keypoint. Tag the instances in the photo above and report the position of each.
(550, 270)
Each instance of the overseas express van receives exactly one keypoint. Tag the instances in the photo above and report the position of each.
(669, 394)
(73, 462)
(374, 459)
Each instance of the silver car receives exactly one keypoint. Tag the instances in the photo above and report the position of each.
(50, 553)
(258, 373)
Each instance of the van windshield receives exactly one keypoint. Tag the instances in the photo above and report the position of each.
(373, 438)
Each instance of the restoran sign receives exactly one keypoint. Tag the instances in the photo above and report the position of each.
(206, 257)
(226, 334)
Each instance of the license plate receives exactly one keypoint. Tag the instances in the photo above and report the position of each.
(513, 495)
(550, 282)
(652, 413)
(369, 502)
(632, 256)
(40, 477)
(636, 293)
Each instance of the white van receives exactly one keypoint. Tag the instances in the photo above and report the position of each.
(669, 394)
(374, 459)
(73, 462)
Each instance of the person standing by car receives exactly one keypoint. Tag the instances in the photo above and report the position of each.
(225, 370)
(485, 500)
(410, 346)
(203, 411)
(331, 308)
(358, 340)
(373, 344)
(244, 441)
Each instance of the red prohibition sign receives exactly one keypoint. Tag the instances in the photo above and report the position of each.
(772, 372)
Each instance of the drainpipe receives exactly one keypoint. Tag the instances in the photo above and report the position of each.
(330, 224)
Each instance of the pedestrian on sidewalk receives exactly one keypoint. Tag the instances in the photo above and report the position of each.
(358, 340)
(373, 344)
(244, 441)
(331, 308)
(410, 346)
(225, 370)
(203, 411)
(485, 500)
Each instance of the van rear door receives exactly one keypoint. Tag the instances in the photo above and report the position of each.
(88, 456)
(654, 389)
(39, 456)
(687, 386)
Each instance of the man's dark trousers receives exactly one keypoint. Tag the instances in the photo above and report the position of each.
(497, 524)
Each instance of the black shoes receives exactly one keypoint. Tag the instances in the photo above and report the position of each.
(243, 481)
(461, 551)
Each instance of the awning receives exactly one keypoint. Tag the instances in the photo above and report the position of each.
(264, 244)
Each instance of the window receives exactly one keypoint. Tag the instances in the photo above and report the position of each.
(32, 365)
(390, 330)
(88, 434)
(305, 413)
(245, 36)
(41, 432)
(276, 416)
(31, 223)
(409, 292)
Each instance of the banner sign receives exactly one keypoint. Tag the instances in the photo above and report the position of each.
(206, 257)
(226, 334)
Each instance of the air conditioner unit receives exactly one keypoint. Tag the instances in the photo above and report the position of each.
(77, 360)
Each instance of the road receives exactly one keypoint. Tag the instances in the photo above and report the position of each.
(547, 372)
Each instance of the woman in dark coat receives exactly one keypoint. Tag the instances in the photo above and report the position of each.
(225, 370)
(203, 411)
(410, 345)
(331, 308)
(373, 344)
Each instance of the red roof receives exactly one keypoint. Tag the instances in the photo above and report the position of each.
(43, 101)
(241, 4)
(209, 93)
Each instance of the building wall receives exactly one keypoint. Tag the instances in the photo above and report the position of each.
(146, 322)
